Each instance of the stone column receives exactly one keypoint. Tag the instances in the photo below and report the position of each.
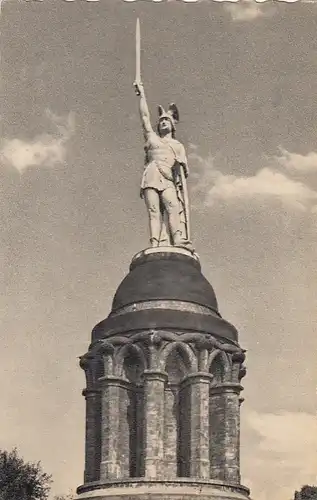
(93, 435)
(199, 433)
(126, 442)
(217, 433)
(154, 385)
(225, 453)
(184, 430)
(171, 418)
(114, 440)
(140, 445)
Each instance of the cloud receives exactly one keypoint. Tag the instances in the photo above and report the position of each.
(244, 10)
(47, 150)
(296, 162)
(266, 184)
(290, 433)
(285, 453)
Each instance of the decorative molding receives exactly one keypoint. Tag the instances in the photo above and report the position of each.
(226, 388)
(90, 393)
(167, 250)
(155, 375)
(173, 305)
(136, 484)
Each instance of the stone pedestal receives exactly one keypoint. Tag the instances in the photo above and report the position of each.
(165, 490)
(163, 405)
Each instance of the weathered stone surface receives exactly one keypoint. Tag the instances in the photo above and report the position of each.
(93, 436)
(163, 391)
(166, 490)
(167, 276)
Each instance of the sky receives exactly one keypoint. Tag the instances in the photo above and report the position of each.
(244, 79)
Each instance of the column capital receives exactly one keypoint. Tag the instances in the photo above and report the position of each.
(114, 381)
(85, 361)
(173, 386)
(226, 388)
(149, 375)
(90, 393)
(197, 378)
(104, 347)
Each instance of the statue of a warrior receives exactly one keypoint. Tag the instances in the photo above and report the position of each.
(164, 176)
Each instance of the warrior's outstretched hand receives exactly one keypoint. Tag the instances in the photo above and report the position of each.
(139, 89)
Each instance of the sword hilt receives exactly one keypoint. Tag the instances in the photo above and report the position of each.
(136, 87)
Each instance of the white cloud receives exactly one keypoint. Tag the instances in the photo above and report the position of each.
(249, 10)
(289, 433)
(266, 184)
(244, 10)
(296, 162)
(286, 457)
(46, 150)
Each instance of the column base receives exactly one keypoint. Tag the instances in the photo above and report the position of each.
(182, 489)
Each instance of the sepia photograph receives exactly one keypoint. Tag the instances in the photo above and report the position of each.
(158, 250)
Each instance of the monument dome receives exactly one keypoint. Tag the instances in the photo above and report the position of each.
(165, 289)
(165, 276)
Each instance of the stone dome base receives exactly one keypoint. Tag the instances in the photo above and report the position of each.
(163, 490)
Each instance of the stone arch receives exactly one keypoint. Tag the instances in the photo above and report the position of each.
(178, 360)
(107, 366)
(94, 370)
(219, 366)
(85, 364)
(182, 354)
(130, 362)
(129, 365)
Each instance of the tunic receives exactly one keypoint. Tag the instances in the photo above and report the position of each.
(158, 173)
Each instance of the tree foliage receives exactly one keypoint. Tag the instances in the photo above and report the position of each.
(20, 480)
(306, 493)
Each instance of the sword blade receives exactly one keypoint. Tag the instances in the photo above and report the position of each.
(138, 52)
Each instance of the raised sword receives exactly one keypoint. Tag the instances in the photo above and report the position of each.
(137, 80)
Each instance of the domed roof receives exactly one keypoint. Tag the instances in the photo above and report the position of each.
(165, 276)
(165, 290)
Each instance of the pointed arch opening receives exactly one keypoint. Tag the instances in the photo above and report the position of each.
(219, 368)
(132, 407)
(179, 362)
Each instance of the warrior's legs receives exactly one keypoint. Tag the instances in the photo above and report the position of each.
(164, 236)
(152, 201)
(171, 205)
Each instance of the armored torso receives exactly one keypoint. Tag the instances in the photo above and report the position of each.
(161, 154)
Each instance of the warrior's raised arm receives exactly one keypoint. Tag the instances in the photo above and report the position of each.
(144, 111)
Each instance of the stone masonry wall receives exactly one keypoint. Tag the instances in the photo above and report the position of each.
(161, 427)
